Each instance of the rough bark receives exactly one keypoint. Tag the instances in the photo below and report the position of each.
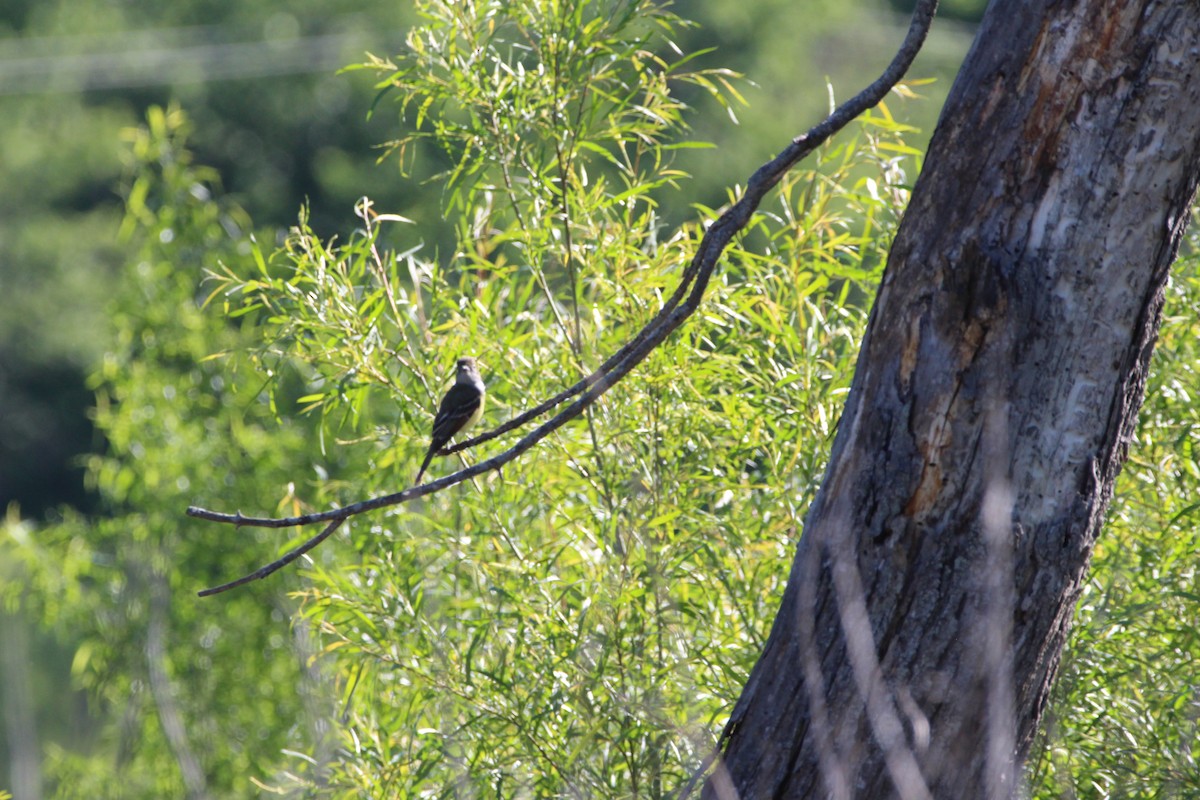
(997, 387)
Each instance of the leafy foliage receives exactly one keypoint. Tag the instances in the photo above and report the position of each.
(121, 586)
(577, 624)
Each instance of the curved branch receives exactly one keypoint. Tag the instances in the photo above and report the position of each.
(277, 564)
(717, 237)
(674, 312)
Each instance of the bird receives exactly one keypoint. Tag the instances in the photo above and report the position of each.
(460, 409)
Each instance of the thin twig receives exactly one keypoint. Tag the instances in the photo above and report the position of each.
(692, 284)
(279, 563)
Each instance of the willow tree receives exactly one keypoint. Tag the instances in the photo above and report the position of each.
(996, 390)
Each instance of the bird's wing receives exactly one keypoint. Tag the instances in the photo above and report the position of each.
(457, 408)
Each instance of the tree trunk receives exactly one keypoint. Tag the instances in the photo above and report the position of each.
(996, 390)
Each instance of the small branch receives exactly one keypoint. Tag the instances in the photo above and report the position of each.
(674, 312)
(278, 564)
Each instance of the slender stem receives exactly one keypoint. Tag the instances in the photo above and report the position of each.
(278, 564)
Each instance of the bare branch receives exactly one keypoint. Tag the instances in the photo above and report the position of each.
(674, 312)
(278, 564)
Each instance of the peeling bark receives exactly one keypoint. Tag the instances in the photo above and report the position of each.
(996, 390)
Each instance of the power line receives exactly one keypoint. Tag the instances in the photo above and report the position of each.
(174, 55)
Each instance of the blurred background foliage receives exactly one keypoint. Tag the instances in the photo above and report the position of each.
(579, 623)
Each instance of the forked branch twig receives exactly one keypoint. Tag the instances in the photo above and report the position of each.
(681, 305)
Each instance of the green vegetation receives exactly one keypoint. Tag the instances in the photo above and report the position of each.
(579, 623)
(118, 586)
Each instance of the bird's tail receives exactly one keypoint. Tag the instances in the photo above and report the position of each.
(424, 466)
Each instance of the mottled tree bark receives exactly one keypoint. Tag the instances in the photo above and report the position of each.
(995, 393)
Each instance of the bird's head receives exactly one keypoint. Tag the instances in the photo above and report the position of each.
(466, 373)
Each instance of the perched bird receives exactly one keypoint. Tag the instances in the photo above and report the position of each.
(460, 409)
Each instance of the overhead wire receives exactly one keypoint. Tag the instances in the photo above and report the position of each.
(133, 59)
